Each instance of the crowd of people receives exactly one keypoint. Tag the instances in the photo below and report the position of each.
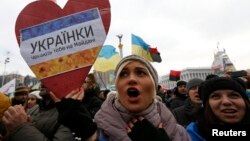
(138, 110)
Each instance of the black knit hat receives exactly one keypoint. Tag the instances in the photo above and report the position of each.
(181, 82)
(220, 83)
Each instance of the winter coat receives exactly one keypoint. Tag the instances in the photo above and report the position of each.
(113, 126)
(44, 127)
(184, 114)
(33, 111)
(92, 102)
(177, 101)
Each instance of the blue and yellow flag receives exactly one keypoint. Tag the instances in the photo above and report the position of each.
(107, 59)
(141, 48)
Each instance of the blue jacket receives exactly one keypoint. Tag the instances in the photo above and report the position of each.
(193, 132)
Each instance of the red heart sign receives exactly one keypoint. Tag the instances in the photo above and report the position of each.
(43, 11)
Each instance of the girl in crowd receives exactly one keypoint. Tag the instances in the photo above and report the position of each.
(225, 107)
(132, 114)
(32, 103)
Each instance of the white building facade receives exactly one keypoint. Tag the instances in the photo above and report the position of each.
(186, 75)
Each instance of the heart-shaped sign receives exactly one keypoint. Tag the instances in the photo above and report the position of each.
(61, 45)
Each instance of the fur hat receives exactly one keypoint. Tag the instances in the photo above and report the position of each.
(4, 104)
(221, 83)
(21, 90)
(148, 65)
(193, 82)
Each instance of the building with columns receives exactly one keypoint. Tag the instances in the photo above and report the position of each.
(186, 75)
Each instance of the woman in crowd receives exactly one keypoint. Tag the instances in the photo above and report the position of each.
(32, 103)
(132, 114)
(225, 107)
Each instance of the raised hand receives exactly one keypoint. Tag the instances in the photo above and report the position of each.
(77, 94)
(15, 116)
(74, 115)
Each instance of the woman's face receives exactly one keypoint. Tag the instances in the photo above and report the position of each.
(227, 105)
(31, 101)
(135, 87)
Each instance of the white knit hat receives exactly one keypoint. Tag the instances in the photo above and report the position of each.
(36, 94)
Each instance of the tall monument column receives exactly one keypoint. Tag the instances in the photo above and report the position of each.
(120, 44)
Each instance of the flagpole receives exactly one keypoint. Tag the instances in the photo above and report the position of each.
(120, 45)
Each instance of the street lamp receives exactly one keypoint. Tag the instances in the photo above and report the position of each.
(7, 60)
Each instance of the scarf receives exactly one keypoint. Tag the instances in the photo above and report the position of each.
(114, 125)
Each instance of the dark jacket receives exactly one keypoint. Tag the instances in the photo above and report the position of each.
(177, 101)
(185, 114)
(44, 127)
(92, 102)
(14, 102)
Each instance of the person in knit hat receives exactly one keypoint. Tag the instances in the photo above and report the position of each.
(225, 107)
(32, 103)
(134, 113)
(222, 83)
(20, 95)
(186, 114)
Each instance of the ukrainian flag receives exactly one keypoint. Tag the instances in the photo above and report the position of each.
(139, 47)
(107, 59)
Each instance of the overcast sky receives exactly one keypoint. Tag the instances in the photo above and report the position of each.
(185, 32)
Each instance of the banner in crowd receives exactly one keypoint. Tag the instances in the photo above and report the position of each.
(9, 87)
(222, 63)
(61, 45)
(174, 75)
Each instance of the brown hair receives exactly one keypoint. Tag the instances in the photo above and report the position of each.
(92, 78)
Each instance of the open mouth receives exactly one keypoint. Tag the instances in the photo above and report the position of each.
(229, 111)
(197, 96)
(132, 92)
